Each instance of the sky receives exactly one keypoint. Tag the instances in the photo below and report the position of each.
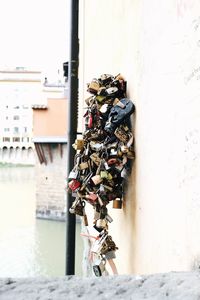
(34, 33)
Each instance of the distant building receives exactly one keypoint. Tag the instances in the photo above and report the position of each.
(50, 140)
(19, 88)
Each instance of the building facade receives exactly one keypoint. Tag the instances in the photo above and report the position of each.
(50, 140)
(18, 89)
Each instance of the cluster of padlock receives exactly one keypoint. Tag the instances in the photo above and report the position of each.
(102, 160)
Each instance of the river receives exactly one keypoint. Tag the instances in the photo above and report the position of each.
(29, 246)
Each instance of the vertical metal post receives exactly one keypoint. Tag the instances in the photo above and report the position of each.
(72, 131)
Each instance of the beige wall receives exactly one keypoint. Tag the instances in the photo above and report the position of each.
(155, 45)
(51, 121)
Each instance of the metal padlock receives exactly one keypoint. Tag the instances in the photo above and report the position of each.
(74, 184)
(83, 165)
(99, 267)
(73, 174)
(95, 158)
(124, 149)
(94, 86)
(121, 134)
(92, 197)
(113, 152)
(117, 203)
(101, 223)
(77, 207)
(104, 174)
(79, 144)
(96, 179)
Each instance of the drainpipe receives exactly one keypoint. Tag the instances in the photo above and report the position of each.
(72, 116)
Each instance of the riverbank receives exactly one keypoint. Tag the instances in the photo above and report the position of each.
(171, 286)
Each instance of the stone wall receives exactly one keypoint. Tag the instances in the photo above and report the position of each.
(50, 182)
(155, 45)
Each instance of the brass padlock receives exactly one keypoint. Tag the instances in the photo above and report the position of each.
(117, 203)
(83, 165)
(94, 86)
(121, 134)
(95, 158)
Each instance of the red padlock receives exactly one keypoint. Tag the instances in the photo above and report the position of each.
(74, 184)
(90, 121)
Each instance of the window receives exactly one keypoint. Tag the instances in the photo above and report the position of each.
(6, 139)
(16, 117)
(25, 129)
(16, 129)
(25, 106)
(16, 107)
(6, 117)
(16, 139)
(6, 129)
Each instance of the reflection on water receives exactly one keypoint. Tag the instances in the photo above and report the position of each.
(29, 247)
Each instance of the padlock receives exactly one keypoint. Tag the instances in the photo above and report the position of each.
(94, 86)
(77, 208)
(99, 267)
(73, 174)
(86, 181)
(104, 108)
(79, 144)
(124, 149)
(113, 152)
(92, 197)
(95, 158)
(74, 184)
(96, 146)
(101, 223)
(121, 134)
(117, 203)
(96, 179)
(106, 79)
(104, 174)
(83, 165)
(112, 91)
(100, 98)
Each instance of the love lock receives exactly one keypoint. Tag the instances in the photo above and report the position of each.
(74, 184)
(94, 86)
(117, 203)
(99, 267)
(96, 179)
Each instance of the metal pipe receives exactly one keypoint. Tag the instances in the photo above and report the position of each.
(72, 131)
